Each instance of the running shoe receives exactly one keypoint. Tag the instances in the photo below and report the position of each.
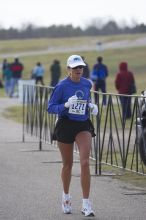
(87, 210)
(66, 205)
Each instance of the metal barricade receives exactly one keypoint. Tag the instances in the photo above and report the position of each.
(116, 141)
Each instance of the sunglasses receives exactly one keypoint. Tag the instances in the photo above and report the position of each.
(77, 67)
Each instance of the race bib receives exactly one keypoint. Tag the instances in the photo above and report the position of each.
(79, 107)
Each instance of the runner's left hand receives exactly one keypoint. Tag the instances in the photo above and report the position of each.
(94, 109)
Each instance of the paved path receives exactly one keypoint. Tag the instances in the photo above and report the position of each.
(91, 45)
(30, 186)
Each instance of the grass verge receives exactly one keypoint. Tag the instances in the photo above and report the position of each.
(14, 113)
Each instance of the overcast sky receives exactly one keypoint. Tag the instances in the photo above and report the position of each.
(16, 13)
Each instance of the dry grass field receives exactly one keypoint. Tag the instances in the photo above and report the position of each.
(130, 48)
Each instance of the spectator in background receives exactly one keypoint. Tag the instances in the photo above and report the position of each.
(16, 68)
(123, 81)
(86, 71)
(38, 73)
(7, 76)
(1, 84)
(4, 64)
(98, 76)
(55, 70)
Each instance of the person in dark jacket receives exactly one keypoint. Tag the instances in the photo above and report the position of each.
(55, 70)
(16, 68)
(86, 71)
(3, 67)
(4, 64)
(98, 76)
(123, 81)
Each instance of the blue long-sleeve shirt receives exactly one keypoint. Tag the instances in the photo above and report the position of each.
(63, 91)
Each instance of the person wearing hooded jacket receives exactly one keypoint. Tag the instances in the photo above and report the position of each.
(123, 81)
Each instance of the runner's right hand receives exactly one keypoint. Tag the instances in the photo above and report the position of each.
(71, 101)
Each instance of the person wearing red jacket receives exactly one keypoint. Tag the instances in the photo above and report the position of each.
(16, 68)
(123, 81)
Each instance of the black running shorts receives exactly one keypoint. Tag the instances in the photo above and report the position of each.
(66, 130)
